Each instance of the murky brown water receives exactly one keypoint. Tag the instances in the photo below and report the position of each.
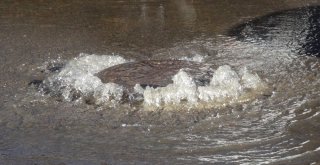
(283, 128)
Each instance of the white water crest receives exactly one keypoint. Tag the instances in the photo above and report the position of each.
(79, 75)
(226, 86)
(183, 88)
(78, 80)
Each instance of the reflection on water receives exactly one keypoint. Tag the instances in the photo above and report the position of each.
(298, 28)
(312, 45)
(279, 128)
(187, 12)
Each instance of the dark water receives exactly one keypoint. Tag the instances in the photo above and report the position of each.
(276, 39)
(300, 25)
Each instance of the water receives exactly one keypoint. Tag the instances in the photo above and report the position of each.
(278, 126)
(78, 82)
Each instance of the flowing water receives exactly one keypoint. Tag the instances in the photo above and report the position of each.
(261, 105)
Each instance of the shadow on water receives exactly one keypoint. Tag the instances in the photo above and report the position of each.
(297, 28)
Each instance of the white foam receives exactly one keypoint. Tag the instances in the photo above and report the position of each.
(250, 80)
(78, 74)
(108, 92)
(183, 88)
(78, 78)
(224, 83)
(225, 86)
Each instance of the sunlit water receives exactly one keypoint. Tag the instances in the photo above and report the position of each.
(273, 116)
(77, 82)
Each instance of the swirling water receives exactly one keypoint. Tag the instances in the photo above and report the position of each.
(280, 126)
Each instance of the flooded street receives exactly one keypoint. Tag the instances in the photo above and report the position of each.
(259, 103)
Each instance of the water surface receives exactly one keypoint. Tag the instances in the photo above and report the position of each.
(280, 127)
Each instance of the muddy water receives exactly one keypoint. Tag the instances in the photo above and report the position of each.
(279, 127)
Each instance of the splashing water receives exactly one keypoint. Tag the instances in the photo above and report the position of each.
(226, 86)
(77, 81)
(78, 76)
